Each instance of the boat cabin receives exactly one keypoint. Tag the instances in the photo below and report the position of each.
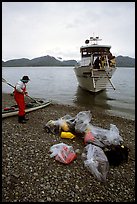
(96, 54)
(88, 51)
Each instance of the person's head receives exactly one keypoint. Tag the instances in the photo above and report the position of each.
(25, 79)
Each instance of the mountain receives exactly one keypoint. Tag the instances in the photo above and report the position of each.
(39, 61)
(16, 62)
(121, 61)
(125, 61)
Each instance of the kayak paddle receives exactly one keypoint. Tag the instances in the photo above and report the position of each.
(4, 81)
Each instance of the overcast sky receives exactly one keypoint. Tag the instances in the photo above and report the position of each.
(58, 29)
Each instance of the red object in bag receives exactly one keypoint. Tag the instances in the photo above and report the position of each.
(89, 138)
(66, 155)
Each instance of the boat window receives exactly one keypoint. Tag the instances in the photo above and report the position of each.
(88, 51)
(86, 54)
(94, 49)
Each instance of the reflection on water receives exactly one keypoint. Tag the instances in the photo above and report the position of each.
(83, 97)
(104, 101)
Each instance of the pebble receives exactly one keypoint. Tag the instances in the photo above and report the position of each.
(40, 178)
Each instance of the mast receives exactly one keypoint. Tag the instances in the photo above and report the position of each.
(93, 40)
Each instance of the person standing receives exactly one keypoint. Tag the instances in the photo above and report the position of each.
(97, 63)
(103, 62)
(19, 96)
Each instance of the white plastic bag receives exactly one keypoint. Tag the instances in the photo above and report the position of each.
(55, 149)
(96, 162)
(105, 137)
(63, 153)
(113, 135)
(82, 121)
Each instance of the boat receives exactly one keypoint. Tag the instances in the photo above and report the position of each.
(96, 67)
(13, 110)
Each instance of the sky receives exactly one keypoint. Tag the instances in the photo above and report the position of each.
(59, 29)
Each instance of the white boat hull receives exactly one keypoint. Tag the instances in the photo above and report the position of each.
(94, 80)
(96, 67)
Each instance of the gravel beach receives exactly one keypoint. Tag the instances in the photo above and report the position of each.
(30, 175)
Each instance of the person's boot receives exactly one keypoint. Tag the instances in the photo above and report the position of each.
(21, 119)
(25, 118)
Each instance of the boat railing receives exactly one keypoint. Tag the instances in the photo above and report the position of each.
(89, 61)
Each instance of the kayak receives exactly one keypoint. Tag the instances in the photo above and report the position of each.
(12, 111)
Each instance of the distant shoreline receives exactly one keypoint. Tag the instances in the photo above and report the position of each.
(121, 61)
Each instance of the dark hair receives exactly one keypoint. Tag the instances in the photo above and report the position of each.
(26, 78)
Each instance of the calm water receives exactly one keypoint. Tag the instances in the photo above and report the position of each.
(60, 85)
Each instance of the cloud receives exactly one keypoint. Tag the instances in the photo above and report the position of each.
(33, 29)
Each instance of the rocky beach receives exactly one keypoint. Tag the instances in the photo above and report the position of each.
(29, 174)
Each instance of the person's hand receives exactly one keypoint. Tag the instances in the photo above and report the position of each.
(26, 93)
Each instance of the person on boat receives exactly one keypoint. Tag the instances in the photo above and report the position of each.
(111, 60)
(102, 62)
(19, 93)
(97, 63)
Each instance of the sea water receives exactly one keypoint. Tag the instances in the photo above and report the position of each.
(60, 85)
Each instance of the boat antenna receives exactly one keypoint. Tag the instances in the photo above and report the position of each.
(94, 40)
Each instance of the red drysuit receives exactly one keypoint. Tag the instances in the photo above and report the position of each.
(19, 92)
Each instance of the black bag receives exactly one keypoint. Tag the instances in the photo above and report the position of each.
(117, 154)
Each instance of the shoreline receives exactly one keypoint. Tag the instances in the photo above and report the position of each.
(8, 96)
(29, 174)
